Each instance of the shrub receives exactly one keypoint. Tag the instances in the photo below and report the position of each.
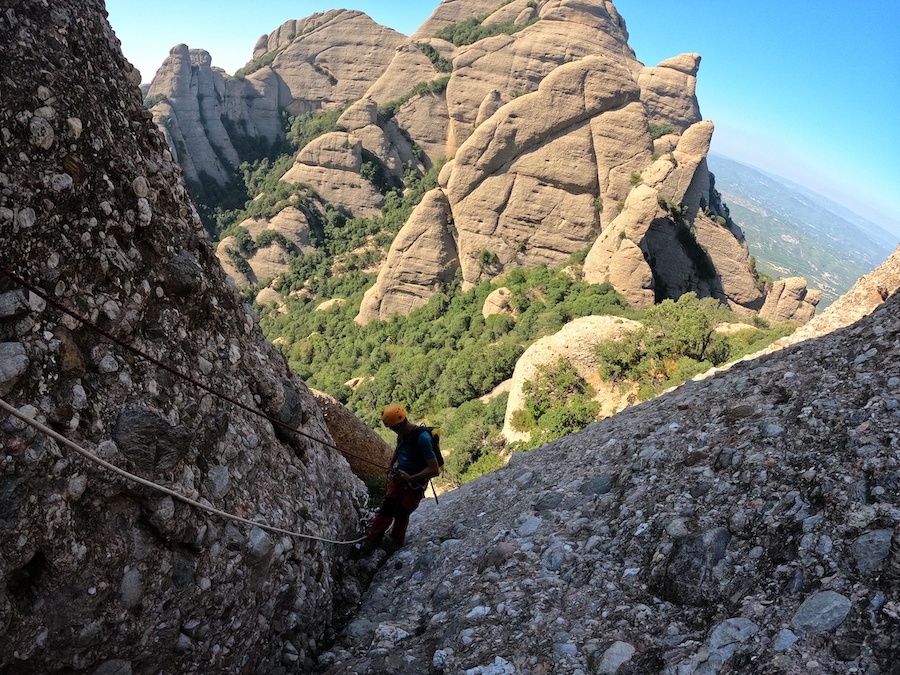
(441, 64)
(472, 30)
(660, 130)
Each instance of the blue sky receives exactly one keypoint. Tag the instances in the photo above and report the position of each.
(805, 89)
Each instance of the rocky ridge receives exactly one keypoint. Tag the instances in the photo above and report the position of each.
(746, 522)
(97, 573)
(550, 130)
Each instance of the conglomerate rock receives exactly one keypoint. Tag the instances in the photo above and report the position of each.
(99, 573)
(748, 522)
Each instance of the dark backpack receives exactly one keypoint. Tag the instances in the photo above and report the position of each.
(435, 434)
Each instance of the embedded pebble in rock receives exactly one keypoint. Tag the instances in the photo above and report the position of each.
(13, 365)
(61, 182)
(41, 132)
(218, 481)
(822, 612)
(871, 549)
(613, 658)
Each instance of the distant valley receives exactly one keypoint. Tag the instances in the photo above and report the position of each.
(793, 231)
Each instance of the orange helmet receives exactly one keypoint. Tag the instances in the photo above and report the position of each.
(393, 414)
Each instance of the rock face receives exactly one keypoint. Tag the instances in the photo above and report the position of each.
(98, 573)
(575, 342)
(550, 130)
(748, 522)
(366, 452)
(322, 61)
(189, 110)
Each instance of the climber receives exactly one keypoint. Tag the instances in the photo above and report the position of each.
(413, 464)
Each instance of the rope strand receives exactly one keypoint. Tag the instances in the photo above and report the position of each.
(174, 371)
(150, 484)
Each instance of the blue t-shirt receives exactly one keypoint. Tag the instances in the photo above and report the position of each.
(414, 451)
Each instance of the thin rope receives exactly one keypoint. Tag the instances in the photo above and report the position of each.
(174, 371)
(142, 481)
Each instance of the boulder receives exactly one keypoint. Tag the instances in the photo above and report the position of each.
(498, 303)
(790, 300)
(576, 341)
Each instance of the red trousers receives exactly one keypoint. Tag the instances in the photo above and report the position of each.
(400, 501)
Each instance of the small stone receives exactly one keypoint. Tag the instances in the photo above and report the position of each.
(140, 186)
(41, 132)
(13, 364)
(614, 657)
(26, 217)
(76, 487)
(439, 660)
(597, 486)
(529, 527)
(218, 481)
(785, 640)
(871, 549)
(478, 611)
(260, 545)
(75, 127)
(108, 364)
(61, 181)
(131, 590)
(145, 213)
(822, 612)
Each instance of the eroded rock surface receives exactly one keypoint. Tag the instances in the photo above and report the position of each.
(748, 522)
(98, 573)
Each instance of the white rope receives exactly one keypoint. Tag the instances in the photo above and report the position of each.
(137, 479)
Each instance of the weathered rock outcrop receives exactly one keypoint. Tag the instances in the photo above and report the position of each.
(576, 343)
(422, 260)
(790, 300)
(366, 452)
(322, 61)
(748, 522)
(98, 573)
(549, 129)
(669, 92)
